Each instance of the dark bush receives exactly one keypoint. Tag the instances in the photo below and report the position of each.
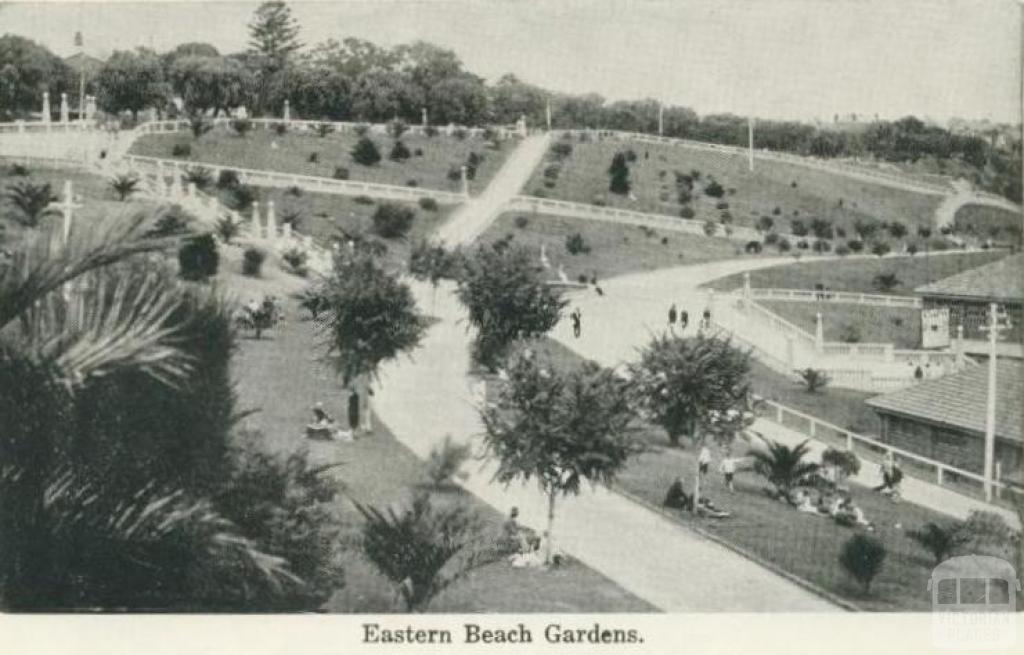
(576, 245)
(242, 197)
(710, 228)
(714, 190)
(412, 182)
(418, 152)
(460, 133)
(428, 204)
(363, 200)
(323, 129)
(561, 149)
(783, 245)
(862, 557)
(454, 173)
(280, 128)
(430, 131)
(252, 262)
(227, 179)
(771, 238)
(797, 227)
(521, 221)
(855, 245)
(314, 158)
(241, 126)
(880, 248)
(821, 246)
(399, 152)
(340, 173)
(687, 212)
(721, 204)
(365, 152)
(392, 221)
(198, 259)
(181, 150)
(912, 249)
(842, 251)
(802, 244)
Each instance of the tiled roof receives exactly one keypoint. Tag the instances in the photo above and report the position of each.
(959, 400)
(1000, 280)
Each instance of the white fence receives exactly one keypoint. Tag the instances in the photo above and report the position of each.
(851, 170)
(305, 182)
(342, 127)
(815, 428)
(612, 215)
(805, 295)
(36, 127)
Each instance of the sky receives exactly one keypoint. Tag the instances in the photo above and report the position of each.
(795, 59)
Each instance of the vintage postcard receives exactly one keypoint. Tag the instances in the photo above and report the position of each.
(495, 323)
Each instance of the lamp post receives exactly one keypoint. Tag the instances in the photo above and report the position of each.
(80, 43)
(997, 322)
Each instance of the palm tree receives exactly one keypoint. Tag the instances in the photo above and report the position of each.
(784, 467)
(124, 186)
(72, 316)
(31, 201)
(421, 550)
(201, 176)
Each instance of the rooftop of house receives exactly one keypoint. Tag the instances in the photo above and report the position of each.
(959, 400)
(1000, 280)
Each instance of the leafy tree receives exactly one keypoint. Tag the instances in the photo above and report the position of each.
(365, 152)
(27, 69)
(765, 224)
(714, 189)
(575, 244)
(784, 467)
(399, 152)
(941, 540)
(897, 230)
(252, 261)
(797, 227)
(207, 83)
(682, 382)
(821, 228)
(507, 299)
(421, 550)
(863, 556)
(813, 379)
(371, 318)
(619, 173)
(559, 428)
(844, 462)
(199, 126)
(241, 126)
(228, 228)
(198, 258)
(433, 263)
(132, 81)
(30, 201)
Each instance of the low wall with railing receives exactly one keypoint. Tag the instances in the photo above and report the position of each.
(341, 127)
(36, 127)
(873, 449)
(807, 295)
(306, 182)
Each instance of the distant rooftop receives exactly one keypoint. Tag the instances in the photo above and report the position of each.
(959, 400)
(1000, 280)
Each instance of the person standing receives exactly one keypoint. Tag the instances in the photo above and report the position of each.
(577, 322)
(704, 460)
(672, 315)
(728, 469)
(684, 319)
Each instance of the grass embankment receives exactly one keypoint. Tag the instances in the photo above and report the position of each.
(801, 544)
(781, 191)
(282, 377)
(858, 275)
(854, 323)
(614, 248)
(987, 222)
(292, 152)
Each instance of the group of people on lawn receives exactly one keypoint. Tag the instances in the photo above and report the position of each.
(523, 546)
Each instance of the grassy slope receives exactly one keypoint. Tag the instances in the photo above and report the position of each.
(294, 148)
(803, 545)
(857, 274)
(584, 177)
(1001, 225)
(898, 325)
(615, 248)
(280, 375)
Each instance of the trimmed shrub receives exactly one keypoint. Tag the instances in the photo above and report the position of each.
(323, 129)
(802, 244)
(198, 258)
(521, 221)
(227, 179)
(855, 245)
(296, 259)
(428, 204)
(363, 200)
(842, 251)
(412, 182)
(821, 246)
(418, 152)
(576, 245)
(714, 190)
(181, 150)
(721, 205)
(340, 173)
(280, 128)
(561, 149)
(242, 197)
(862, 557)
(241, 126)
(392, 221)
(880, 248)
(783, 245)
(252, 262)
(460, 133)
(399, 152)
(365, 152)
(293, 191)
(710, 228)
(314, 158)
(797, 227)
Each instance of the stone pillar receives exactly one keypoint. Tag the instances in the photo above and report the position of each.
(522, 126)
(286, 231)
(465, 182)
(424, 120)
(746, 285)
(287, 115)
(547, 115)
(661, 119)
(961, 351)
(46, 107)
(271, 222)
(256, 219)
(191, 190)
(819, 333)
(64, 108)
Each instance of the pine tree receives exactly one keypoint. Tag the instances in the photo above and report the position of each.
(619, 172)
(273, 34)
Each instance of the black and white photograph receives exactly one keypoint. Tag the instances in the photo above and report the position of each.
(447, 308)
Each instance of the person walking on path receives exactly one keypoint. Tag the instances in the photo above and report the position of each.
(728, 470)
(684, 319)
(704, 461)
(672, 315)
(577, 322)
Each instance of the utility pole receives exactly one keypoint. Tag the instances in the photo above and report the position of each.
(750, 142)
(661, 119)
(997, 322)
(80, 43)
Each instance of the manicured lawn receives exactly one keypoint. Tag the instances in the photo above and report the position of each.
(858, 274)
(322, 215)
(292, 155)
(614, 248)
(803, 545)
(281, 377)
(796, 191)
(988, 222)
(898, 325)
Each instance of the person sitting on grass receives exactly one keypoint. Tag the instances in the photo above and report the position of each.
(514, 537)
(530, 557)
(802, 501)
(849, 514)
(676, 497)
(707, 509)
(324, 426)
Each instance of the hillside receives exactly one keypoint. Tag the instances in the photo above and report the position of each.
(780, 191)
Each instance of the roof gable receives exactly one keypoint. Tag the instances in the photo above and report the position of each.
(1000, 280)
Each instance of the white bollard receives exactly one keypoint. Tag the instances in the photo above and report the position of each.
(286, 231)
(256, 219)
(271, 222)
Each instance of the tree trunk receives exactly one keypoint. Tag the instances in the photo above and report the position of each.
(364, 410)
(549, 542)
(698, 443)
